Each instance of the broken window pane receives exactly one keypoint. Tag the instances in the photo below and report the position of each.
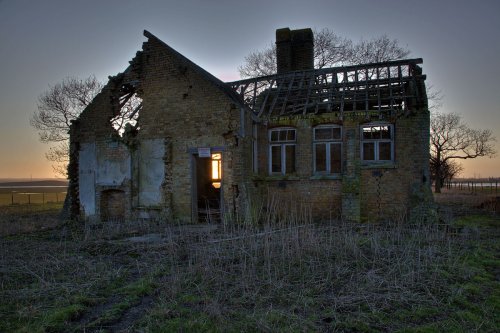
(367, 133)
(378, 143)
(385, 132)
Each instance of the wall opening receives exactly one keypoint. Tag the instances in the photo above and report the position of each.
(208, 173)
(113, 205)
(127, 106)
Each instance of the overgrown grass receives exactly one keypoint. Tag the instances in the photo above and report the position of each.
(15, 219)
(359, 278)
(284, 275)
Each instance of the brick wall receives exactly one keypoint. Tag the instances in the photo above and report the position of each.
(364, 191)
(182, 106)
(185, 109)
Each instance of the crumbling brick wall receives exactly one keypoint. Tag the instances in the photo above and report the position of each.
(183, 108)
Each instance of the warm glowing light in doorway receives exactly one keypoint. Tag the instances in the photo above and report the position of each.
(216, 169)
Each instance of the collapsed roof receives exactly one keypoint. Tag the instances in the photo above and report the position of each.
(386, 87)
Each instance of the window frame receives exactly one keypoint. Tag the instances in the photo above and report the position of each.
(376, 143)
(282, 144)
(328, 149)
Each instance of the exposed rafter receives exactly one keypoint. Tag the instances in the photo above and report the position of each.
(383, 87)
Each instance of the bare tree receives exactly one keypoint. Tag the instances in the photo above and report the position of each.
(330, 50)
(451, 139)
(59, 156)
(434, 97)
(61, 104)
(378, 49)
(57, 107)
(259, 63)
(449, 170)
(64, 102)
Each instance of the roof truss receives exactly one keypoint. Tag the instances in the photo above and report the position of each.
(382, 87)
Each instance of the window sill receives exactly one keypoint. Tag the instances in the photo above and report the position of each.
(378, 165)
(152, 207)
(275, 178)
(326, 177)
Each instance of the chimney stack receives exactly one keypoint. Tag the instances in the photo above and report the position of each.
(294, 50)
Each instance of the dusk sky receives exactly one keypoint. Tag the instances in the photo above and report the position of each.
(42, 42)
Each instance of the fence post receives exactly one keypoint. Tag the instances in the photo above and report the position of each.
(12, 198)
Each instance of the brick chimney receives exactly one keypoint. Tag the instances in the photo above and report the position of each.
(294, 50)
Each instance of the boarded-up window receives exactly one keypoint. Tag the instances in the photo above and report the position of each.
(112, 205)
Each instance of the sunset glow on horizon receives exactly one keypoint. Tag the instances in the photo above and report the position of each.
(45, 42)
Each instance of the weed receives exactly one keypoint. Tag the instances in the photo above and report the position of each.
(281, 272)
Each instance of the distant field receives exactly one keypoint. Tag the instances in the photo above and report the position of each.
(16, 195)
(33, 183)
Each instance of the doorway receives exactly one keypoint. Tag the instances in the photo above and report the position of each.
(207, 192)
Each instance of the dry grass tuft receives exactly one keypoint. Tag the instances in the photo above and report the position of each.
(278, 271)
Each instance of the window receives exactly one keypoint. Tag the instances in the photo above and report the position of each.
(216, 169)
(282, 151)
(377, 143)
(327, 149)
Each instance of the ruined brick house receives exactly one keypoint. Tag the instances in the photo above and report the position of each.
(350, 142)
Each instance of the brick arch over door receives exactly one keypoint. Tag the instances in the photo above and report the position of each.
(113, 205)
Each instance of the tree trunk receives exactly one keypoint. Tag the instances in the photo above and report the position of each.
(437, 185)
(439, 173)
(438, 182)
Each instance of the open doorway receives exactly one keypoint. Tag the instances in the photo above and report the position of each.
(207, 198)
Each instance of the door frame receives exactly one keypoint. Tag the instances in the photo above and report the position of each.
(193, 152)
